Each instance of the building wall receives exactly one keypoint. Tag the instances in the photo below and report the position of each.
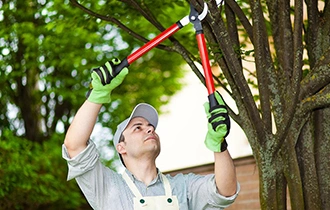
(247, 175)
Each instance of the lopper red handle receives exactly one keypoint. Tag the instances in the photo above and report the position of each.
(148, 46)
(153, 43)
(207, 68)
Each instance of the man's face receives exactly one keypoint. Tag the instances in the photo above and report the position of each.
(141, 140)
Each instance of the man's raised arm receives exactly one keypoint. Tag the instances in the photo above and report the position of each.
(218, 129)
(225, 174)
(103, 82)
(81, 128)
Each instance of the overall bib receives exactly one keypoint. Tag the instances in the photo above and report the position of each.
(165, 202)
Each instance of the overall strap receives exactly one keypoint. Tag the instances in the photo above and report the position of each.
(131, 185)
(167, 186)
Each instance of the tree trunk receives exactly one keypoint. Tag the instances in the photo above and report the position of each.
(306, 159)
(292, 175)
(321, 152)
(267, 179)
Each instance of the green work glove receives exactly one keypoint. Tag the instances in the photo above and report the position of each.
(218, 124)
(104, 81)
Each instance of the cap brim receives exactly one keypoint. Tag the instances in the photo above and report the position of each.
(144, 110)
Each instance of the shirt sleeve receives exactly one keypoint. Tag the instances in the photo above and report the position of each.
(94, 179)
(202, 193)
(81, 163)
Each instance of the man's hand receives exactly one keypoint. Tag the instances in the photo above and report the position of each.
(104, 81)
(218, 125)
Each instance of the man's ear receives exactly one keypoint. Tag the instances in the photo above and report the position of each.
(121, 148)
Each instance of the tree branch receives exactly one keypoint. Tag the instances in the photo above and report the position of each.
(242, 17)
(312, 30)
(232, 30)
(142, 9)
(232, 69)
(326, 13)
(282, 33)
(118, 23)
(294, 85)
(318, 77)
(297, 48)
(188, 57)
(263, 62)
(317, 101)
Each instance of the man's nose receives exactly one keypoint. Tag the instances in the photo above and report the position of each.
(150, 129)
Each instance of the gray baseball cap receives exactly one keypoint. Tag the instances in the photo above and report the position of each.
(144, 110)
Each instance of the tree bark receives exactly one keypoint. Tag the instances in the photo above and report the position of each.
(307, 165)
(321, 149)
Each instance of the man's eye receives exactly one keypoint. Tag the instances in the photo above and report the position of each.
(137, 128)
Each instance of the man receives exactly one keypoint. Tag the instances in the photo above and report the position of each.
(142, 185)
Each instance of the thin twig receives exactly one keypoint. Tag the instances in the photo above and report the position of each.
(118, 23)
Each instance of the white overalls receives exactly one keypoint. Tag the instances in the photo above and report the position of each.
(164, 202)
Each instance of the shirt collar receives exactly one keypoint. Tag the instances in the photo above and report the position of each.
(134, 179)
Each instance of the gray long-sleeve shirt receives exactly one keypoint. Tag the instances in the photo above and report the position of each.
(106, 189)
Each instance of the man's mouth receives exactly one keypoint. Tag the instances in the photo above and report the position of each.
(151, 137)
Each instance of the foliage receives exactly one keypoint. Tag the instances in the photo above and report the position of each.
(44, 62)
(32, 174)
